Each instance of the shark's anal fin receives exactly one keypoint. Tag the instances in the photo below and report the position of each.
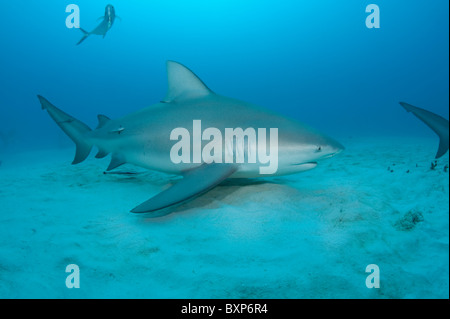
(194, 183)
(436, 122)
(116, 161)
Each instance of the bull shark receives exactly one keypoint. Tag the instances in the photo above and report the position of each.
(104, 26)
(143, 138)
(436, 122)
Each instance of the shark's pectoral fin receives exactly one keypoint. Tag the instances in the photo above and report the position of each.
(194, 183)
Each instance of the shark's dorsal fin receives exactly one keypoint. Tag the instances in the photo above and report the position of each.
(183, 84)
(102, 120)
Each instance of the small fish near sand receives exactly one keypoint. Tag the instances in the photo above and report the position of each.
(104, 26)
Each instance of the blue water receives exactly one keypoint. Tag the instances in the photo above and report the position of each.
(315, 61)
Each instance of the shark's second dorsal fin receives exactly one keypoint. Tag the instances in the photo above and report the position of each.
(183, 84)
(102, 120)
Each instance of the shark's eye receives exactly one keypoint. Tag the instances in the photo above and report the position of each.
(319, 149)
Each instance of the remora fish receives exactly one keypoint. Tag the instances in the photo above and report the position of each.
(104, 26)
(142, 138)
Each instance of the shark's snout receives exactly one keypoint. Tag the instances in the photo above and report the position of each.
(337, 147)
(331, 148)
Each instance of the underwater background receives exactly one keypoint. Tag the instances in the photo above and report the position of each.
(303, 236)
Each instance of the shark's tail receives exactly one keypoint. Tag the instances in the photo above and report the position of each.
(74, 128)
(436, 122)
(85, 35)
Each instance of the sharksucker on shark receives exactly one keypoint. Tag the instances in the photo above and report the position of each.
(104, 26)
(146, 138)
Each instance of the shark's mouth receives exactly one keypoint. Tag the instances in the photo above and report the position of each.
(306, 164)
(300, 167)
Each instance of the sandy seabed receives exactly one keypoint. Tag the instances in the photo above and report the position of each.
(309, 235)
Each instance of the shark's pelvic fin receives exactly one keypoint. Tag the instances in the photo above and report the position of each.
(101, 153)
(74, 128)
(102, 120)
(436, 122)
(116, 161)
(183, 84)
(194, 183)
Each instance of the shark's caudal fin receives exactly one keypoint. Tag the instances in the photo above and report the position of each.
(85, 35)
(437, 123)
(75, 129)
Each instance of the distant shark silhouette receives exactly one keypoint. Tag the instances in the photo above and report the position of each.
(437, 123)
(142, 138)
(104, 26)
